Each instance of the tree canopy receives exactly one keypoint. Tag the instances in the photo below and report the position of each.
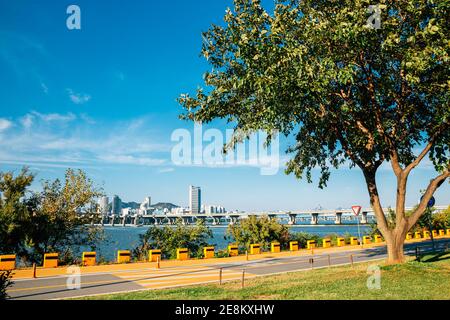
(348, 92)
(55, 219)
(168, 239)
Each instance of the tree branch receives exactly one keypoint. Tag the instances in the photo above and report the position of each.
(432, 187)
(416, 162)
(375, 201)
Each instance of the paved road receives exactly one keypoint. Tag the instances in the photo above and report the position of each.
(151, 278)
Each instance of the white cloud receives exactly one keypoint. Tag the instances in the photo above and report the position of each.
(27, 120)
(166, 170)
(48, 117)
(78, 98)
(57, 140)
(5, 124)
(44, 88)
(129, 159)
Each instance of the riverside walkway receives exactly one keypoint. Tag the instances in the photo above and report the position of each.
(115, 278)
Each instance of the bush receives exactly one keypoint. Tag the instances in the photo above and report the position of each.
(262, 230)
(5, 282)
(168, 239)
(303, 237)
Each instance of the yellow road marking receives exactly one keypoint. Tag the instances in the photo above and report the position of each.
(187, 277)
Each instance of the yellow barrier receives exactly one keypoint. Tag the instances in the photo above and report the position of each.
(8, 262)
(435, 234)
(340, 242)
(426, 234)
(233, 250)
(293, 246)
(408, 236)
(89, 258)
(441, 233)
(377, 239)
(208, 252)
(417, 235)
(153, 255)
(50, 260)
(354, 241)
(123, 256)
(310, 244)
(326, 243)
(275, 247)
(447, 232)
(255, 248)
(182, 254)
(367, 240)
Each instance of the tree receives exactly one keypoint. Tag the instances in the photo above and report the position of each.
(441, 220)
(61, 219)
(56, 219)
(349, 93)
(168, 239)
(5, 282)
(14, 210)
(434, 220)
(260, 230)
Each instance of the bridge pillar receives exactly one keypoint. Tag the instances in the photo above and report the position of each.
(203, 219)
(112, 220)
(314, 218)
(216, 221)
(157, 221)
(172, 220)
(292, 219)
(338, 218)
(364, 218)
(186, 220)
(233, 220)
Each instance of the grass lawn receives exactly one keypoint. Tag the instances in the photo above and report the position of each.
(429, 279)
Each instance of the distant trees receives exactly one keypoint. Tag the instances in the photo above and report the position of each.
(52, 220)
(436, 221)
(262, 230)
(169, 238)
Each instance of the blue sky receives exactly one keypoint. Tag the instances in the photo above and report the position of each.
(103, 99)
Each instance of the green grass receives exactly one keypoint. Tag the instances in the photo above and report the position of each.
(428, 279)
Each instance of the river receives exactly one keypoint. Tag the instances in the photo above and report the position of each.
(123, 238)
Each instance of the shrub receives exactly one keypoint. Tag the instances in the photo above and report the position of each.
(5, 282)
(168, 239)
(262, 230)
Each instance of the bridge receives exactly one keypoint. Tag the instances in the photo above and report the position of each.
(312, 217)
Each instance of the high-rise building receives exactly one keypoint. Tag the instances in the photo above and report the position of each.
(146, 204)
(195, 199)
(116, 205)
(103, 205)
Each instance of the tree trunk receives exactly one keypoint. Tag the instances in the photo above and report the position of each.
(394, 237)
(395, 242)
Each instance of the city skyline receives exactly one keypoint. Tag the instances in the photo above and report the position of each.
(114, 117)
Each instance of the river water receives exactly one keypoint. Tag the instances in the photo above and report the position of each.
(125, 238)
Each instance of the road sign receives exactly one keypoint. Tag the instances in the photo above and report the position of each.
(430, 203)
(356, 210)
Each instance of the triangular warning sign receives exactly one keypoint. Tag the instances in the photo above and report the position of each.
(356, 210)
